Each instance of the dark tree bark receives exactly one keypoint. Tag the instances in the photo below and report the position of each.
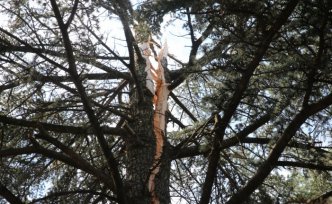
(141, 150)
(8, 195)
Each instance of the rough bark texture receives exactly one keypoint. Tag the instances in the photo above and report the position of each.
(162, 178)
(140, 152)
(148, 156)
(159, 122)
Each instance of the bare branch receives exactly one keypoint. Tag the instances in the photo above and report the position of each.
(38, 149)
(59, 128)
(68, 193)
(238, 138)
(132, 46)
(184, 108)
(236, 98)
(268, 165)
(113, 164)
(305, 165)
(72, 14)
(192, 57)
(8, 195)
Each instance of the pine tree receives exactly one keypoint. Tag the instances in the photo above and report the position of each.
(95, 107)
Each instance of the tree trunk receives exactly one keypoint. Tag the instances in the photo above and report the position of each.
(148, 163)
(140, 157)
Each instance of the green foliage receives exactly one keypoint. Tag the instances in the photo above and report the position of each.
(308, 184)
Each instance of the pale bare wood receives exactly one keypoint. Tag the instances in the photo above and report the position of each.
(159, 88)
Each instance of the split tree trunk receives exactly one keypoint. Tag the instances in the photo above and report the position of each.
(148, 164)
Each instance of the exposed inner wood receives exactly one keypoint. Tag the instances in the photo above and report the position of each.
(149, 70)
(161, 92)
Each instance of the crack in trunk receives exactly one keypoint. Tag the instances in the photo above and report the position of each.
(159, 120)
(147, 152)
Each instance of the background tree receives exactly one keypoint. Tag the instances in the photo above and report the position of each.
(249, 107)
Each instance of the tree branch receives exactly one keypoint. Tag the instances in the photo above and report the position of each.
(106, 46)
(192, 57)
(72, 14)
(81, 57)
(184, 108)
(236, 98)
(113, 164)
(304, 165)
(36, 51)
(175, 120)
(317, 63)
(268, 165)
(60, 128)
(38, 149)
(132, 47)
(238, 138)
(8, 195)
(78, 191)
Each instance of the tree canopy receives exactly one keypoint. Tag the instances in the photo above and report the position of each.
(233, 107)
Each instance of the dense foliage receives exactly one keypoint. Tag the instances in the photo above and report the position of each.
(249, 113)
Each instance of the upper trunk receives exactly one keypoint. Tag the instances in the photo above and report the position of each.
(148, 165)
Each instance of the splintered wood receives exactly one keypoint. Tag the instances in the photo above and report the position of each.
(156, 83)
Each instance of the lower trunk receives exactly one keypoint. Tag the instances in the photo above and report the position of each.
(141, 163)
